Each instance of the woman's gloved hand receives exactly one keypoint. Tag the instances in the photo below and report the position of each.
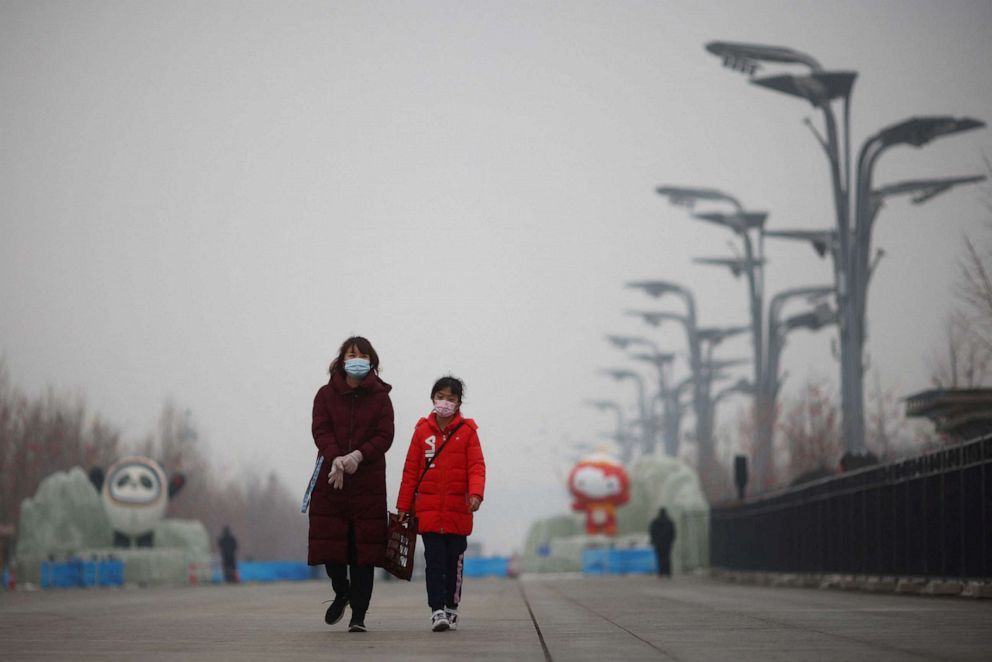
(336, 477)
(350, 461)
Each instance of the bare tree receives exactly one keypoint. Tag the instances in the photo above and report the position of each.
(965, 360)
(975, 283)
(259, 509)
(968, 359)
(890, 435)
(55, 432)
(810, 429)
(42, 435)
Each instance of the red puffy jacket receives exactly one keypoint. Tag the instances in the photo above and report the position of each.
(458, 472)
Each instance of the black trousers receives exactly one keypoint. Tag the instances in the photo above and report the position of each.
(358, 588)
(444, 553)
(664, 561)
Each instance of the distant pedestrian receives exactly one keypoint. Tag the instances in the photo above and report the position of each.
(662, 536)
(444, 481)
(228, 546)
(353, 429)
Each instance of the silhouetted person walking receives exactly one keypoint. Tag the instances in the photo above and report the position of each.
(662, 536)
(228, 546)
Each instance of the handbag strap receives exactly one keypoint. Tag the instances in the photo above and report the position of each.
(447, 438)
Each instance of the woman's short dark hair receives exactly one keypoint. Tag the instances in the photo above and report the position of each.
(363, 345)
(453, 384)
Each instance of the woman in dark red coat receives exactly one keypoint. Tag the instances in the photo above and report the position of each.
(353, 429)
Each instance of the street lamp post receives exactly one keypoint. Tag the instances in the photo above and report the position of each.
(704, 424)
(742, 223)
(703, 370)
(776, 329)
(662, 363)
(917, 132)
(620, 375)
(852, 269)
(670, 414)
(673, 409)
(769, 388)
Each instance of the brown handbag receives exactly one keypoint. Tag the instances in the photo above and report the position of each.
(401, 542)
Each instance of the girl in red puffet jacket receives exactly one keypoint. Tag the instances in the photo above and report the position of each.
(451, 489)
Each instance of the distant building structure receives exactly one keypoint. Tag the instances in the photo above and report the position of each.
(962, 413)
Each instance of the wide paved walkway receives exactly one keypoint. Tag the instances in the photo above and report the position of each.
(537, 618)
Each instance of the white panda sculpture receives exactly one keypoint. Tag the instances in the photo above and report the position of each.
(135, 494)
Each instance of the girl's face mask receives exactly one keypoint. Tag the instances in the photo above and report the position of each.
(445, 409)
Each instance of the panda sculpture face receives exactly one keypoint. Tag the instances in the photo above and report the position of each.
(135, 495)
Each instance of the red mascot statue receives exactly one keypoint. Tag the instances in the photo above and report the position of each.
(599, 486)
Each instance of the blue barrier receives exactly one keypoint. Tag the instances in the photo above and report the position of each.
(79, 573)
(283, 571)
(276, 571)
(619, 561)
(110, 572)
(492, 566)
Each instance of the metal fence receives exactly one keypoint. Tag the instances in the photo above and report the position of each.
(926, 516)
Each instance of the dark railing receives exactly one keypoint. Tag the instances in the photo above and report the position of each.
(925, 516)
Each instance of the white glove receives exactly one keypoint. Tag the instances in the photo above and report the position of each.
(336, 477)
(350, 461)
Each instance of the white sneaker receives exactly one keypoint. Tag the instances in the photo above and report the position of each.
(439, 621)
(452, 615)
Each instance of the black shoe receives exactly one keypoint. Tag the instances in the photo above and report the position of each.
(336, 610)
(357, 626)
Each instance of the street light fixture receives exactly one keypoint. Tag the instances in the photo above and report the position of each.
(658, 360)
(716, 335)
(658, 288)
(823, 241)
(922, 190)
(818, 88)
(738, 222)
(715, 366)
(918, 131)
(623, 342)
(813, 320)
(740, 386)
(687, 196)
(745, 57)
(736, 265)
(656, 318)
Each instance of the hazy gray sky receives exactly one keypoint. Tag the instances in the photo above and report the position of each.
(202, 199)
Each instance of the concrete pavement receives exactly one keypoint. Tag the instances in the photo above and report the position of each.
(536, 618)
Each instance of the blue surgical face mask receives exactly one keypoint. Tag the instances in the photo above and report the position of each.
(357, 367)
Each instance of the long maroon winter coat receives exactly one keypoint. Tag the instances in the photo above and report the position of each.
(347, 419)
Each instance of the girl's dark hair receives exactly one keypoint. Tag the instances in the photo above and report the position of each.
(363, 345)
(453, 384)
